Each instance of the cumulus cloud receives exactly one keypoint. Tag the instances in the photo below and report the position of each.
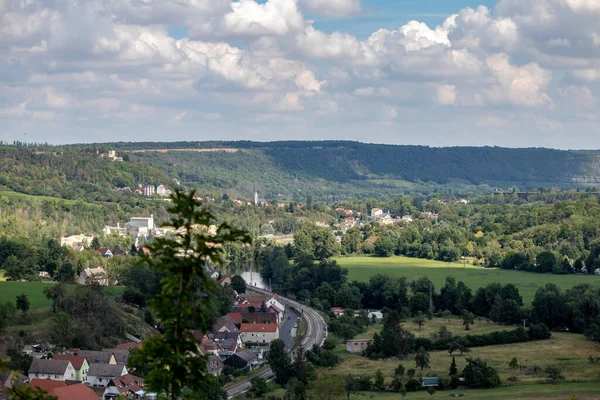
(251, 60)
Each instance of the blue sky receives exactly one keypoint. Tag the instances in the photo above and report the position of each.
(391, 14)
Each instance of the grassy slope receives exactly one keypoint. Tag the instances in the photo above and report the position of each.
(362, 268)
(35, 292)
(567, 351)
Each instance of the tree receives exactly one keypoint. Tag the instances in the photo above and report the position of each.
(23, 303)
(448, 315)
(56, 293)
(379, 381)
(65, 273)
(238, 284)
(431, 390)
(173, 357)
(258, 386)
(453, 369)
(384, 246)
(279, 361)
(468, 319)
(7, 313)
(420, 319)
(399, 371)
(479, 375)
(554, 373)
(95, 245)
(422, 358)
(19, 361)
(514, 363)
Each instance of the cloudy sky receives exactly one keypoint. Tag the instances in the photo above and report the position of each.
(515, 73)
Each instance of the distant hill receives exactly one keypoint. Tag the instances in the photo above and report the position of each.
(349, 168)
(327, 170)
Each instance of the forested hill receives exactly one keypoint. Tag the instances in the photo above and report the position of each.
(324, 169)
(72, 173)
(311, 167)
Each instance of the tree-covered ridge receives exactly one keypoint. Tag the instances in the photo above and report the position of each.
(76, 174)
(345, 160)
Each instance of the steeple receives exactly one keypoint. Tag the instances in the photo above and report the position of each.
(255, 196)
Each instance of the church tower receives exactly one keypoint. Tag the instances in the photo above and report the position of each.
(255, 196)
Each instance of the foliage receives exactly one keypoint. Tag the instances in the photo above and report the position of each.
(422, 358)
(554, 373)
(23, 304)
(478, 374)
(56, 293)
(328, 387)
(180, 306)
(468, 319)
(238, 284)
(258, 386)
(279, 361)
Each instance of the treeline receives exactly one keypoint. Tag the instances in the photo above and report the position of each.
(557, 238)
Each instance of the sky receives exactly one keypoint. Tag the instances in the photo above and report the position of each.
(514, 73)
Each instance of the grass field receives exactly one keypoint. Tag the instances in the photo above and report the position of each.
(362, 268)
(560, 391)
(35, 292)
(567, 351)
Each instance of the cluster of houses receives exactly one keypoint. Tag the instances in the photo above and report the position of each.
(84, 374)
(385, 218)
(111, 155)
(238, 339)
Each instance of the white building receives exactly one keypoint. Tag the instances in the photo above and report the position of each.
(259, 333)
(76, 240)
(101, 374)
(57, 370)
(140, 226)
(161, 190)
(93, 275)
(376, 212)
(148, 190)
(274, 300)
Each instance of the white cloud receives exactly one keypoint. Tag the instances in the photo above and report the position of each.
(333, 8)
(446, 94)
(114, 60)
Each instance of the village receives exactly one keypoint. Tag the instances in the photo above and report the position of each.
(237, 342)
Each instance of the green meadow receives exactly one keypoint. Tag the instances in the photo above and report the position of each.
(35, 292)
(362, 268)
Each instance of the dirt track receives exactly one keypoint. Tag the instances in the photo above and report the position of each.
(226, 150)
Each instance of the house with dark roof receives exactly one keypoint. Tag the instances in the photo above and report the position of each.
(101, 374)
(93, 275)
(93, 357)
(59, 370)
(242, 359)
(121, 355)
(79, 363)
(214, 365)
(10, 378)
(128, 386)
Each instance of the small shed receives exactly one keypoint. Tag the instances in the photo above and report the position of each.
(430, 382)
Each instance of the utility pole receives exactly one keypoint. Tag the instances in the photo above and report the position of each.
(524, 321)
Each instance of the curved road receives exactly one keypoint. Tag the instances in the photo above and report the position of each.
(315, 332)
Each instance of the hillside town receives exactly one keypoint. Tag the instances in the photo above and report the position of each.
(237, 341)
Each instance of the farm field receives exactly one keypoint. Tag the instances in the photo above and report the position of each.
(362, 268)
(35, 292)
(568, 351)
(559, 391)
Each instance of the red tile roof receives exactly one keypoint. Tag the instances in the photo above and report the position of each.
(128, 383)
(236, 316)
(74, 392)
(259, 328)
(127, 346)
(76, 361)
(46, 384)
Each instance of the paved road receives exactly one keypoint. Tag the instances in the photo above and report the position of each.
(285, 330)
(315, 332)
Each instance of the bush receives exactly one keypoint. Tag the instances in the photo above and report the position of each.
(480, 375)
(412, 385)
(538, 332)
